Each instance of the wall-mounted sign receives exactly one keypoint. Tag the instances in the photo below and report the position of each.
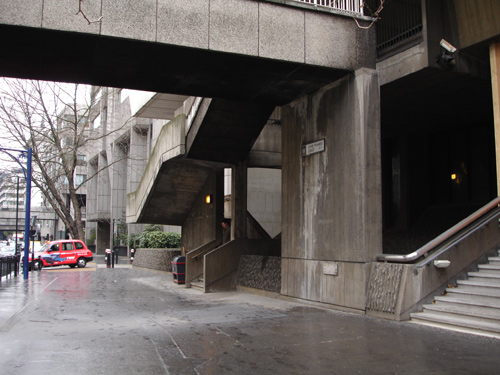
(331, 269)
(313, 148)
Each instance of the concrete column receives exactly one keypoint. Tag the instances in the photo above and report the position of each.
(495, 85)
(138, 159)
(332, 200)
(103, 188)
(239, 201)
(219, 202)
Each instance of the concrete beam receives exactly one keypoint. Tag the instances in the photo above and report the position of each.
(234, 49)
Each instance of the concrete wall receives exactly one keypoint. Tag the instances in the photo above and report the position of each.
(203, 223)
(332, 199)
(260, 272)
(477, 21)
(155, 259)
(264, 198)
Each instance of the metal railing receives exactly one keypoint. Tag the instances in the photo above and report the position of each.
(400, 25)
(430, 246)
(344, 5)
(9, 265)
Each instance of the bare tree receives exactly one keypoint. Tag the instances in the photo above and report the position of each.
(52, 119)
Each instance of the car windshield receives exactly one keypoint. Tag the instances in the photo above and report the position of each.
(43, 248)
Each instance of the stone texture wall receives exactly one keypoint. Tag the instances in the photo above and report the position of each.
(260, 272)
(156, 259)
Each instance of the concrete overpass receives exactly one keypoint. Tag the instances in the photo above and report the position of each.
(251, 51)
(245, 57)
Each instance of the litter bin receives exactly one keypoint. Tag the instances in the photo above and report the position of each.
(179, 269)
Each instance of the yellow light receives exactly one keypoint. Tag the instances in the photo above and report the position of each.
(208, 199)
(453, 176)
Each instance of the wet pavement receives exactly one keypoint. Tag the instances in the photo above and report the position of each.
(129, 321)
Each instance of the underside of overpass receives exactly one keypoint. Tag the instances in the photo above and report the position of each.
(35, 53)
(244, 90)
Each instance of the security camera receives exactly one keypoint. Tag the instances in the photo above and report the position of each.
(447, 46)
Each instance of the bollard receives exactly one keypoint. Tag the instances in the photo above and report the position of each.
(132, 256)
(108, 258)
(40, 264)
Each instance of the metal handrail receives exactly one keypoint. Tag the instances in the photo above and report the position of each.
(441, 238)
(346, 5)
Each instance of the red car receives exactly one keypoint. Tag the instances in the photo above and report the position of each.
(63, 252)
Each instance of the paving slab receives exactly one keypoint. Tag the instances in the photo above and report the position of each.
(125, 320)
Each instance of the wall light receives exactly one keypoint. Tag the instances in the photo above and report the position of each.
(208, 199)
(441, 263)
(453, 176)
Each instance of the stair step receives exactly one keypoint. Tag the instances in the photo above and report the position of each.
(475, 291)
(468, 299)
(451, 320)
(473, 282)
(485, 275)
(197, 284)
(489, 267)
(464, 310)
(494, 259)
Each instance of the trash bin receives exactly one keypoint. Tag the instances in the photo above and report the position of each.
(179, 269)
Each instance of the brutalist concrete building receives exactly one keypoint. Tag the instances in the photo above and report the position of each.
(386, 111)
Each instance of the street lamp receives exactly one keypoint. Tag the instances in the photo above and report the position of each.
(27, 176)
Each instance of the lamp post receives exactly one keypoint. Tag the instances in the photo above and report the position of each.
(27, 176)
(17, 212)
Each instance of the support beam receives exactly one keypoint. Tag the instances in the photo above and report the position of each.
(495, 85)
(239, 201)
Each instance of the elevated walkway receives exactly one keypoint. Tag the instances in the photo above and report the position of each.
(221, 133)
(234, 49)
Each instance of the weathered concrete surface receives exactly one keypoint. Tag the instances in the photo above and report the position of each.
(332, 210)
(234, 49)
(155, 259)
(126, 321)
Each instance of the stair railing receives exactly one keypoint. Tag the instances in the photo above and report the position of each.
(486, 212)
(194, 260)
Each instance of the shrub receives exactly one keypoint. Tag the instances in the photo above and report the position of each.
(159, 240)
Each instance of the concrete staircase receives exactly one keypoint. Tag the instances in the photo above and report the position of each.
(472, 306)
(198, 283)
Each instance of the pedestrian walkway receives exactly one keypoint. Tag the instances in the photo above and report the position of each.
(125, 320)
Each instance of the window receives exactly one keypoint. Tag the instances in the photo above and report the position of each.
(78, 245)
(80, 179)
(68, 246)
(81, 160)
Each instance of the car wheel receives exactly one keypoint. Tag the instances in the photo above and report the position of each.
(72, 265)
(81, 262)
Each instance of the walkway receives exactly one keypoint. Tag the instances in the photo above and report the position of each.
(130, 321)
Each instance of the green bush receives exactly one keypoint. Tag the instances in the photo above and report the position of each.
(159, 240)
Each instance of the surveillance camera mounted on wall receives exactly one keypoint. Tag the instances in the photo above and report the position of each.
(447, 46)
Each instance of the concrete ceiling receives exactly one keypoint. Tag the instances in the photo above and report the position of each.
(159, 106)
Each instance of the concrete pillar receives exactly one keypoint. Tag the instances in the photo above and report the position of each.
(495, 85)
(332, 209)
(219, 202)
(239, 201)
(103, 188)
